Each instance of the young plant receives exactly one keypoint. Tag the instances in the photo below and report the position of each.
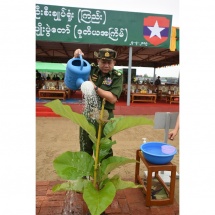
(90, 174)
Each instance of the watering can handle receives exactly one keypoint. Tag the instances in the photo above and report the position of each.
(82, 61)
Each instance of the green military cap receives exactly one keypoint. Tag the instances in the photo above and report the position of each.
(106, 54)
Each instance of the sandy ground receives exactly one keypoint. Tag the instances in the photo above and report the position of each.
(55, 135)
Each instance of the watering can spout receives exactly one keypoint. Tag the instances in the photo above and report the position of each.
(77, 72)
(79, 82)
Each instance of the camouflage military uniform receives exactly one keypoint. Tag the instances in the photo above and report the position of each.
(113, 82)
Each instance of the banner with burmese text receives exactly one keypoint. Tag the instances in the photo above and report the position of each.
(98, 26)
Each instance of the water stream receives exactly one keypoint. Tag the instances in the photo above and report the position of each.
(74, 204)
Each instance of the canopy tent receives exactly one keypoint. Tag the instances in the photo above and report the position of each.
(48, 51)
(50, 67)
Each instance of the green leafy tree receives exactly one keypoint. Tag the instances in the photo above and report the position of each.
(90, 174)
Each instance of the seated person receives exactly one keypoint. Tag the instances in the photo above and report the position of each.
(48, 77)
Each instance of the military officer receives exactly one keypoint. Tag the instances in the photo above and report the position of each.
(108, 84)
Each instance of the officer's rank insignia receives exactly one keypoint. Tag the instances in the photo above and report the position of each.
(118, 73)
(94, 77)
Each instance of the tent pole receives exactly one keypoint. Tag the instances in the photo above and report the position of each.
(178, 77)
(129, 76)
(154, 76)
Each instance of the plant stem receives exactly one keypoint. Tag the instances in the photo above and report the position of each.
(98, 143)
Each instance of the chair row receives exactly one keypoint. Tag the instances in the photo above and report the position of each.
(153, 88)
(50, 84)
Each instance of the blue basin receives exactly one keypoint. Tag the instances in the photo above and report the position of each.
(154, 154)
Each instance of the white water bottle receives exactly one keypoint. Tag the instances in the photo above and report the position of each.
(144, 140)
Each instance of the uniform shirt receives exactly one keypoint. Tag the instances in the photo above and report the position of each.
(112, 81)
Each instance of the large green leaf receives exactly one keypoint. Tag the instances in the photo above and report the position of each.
(77, 186)
(120, 184)
(104, 148)
(73, 165)
(93, 139)
(66, 111)
(98, 200)
(116, 125)
(113, 162)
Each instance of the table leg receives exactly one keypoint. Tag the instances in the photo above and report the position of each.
(172, 184)
(137, 167)
(149, 185)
